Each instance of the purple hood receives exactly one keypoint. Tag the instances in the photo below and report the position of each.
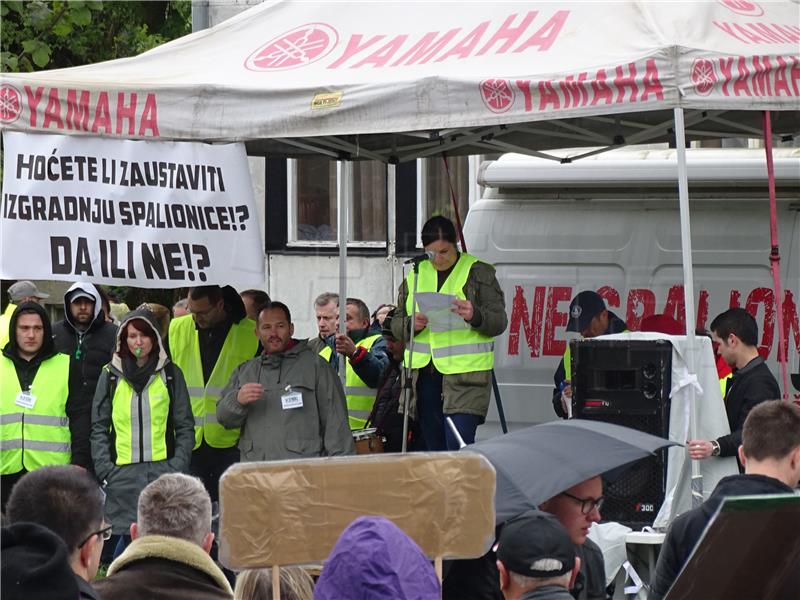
(374, 560)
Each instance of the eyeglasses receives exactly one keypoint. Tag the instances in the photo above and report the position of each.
(104, 534)
(587, 504)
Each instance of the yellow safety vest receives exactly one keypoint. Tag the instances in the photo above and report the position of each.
(360, 397)
(140, 424)
(240, 345)
(459, 350)
(5, 323)
(38, 436)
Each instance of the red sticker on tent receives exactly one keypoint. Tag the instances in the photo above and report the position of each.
(743, 7)
(497, 95)
(10, 104)
(296, 48)
(703, 76)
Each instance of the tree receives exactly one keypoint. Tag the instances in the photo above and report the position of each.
(40, 34)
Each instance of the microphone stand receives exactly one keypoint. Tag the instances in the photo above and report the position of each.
(407, 372)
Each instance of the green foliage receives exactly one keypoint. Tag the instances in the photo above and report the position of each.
(39, 34)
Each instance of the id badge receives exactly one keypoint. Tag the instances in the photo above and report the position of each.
(26, 399)
(291, 399)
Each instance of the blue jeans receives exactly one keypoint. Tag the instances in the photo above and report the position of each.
(435, 432)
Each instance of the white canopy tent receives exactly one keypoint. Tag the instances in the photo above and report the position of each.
(396, 81)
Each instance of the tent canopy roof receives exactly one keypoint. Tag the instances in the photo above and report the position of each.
(395, 81)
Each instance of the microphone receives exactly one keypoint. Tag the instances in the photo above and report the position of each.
(427, 255)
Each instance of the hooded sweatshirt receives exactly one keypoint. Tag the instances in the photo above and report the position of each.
(27, 369)
(374, 559)
(89, 351)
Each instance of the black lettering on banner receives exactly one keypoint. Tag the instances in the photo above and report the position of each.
(175, 262)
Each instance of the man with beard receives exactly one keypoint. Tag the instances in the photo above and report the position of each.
(288, 402)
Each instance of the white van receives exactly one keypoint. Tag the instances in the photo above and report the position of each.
(610, 223)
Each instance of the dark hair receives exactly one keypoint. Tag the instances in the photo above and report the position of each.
(63, 498)
(736, 321)
(105, 301)
(771, 430)
(259, 297)
(363, 311)
(274, 304)
(438, 228)
(142, 327)
(212, 292)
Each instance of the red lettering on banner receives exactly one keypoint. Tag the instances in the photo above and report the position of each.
(384, 54)
(790, 322)
(652, 85)
(726, 27)
(726, 67)
(734, 300)
(749, 35)
(575, 93)
(126, 112)
(354, 46)
(766, 297)
(524, 86)
(794, 74)
(532, 326)
(760, 33)
(101, 116)
(555, 319)
(771, 36)
(149, 117)
(78, 110)
(610, 295)
(740, 85)
(622, 81)
(761, 82)
(508, 33)
(547, 95)
(675, 306)
(33, 101)
(601, 89)
(702, 310)
(780, 77)
(52, 114)
(426, 48)
(790, 32)
(465, 47)
(548, 34)
(639, 297)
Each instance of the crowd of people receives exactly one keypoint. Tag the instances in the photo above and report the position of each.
(154, 408)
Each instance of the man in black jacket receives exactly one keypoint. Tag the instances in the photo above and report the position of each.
(88, 339)
(589, 317)
(752, 382)
(770, 452)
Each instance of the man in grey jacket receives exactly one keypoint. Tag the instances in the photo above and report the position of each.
(288, 401)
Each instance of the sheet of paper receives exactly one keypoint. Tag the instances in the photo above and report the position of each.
(439, 310)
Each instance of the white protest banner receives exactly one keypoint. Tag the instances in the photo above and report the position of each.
(122, 212)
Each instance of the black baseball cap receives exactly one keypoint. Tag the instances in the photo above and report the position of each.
(535, 544)
(583, 308)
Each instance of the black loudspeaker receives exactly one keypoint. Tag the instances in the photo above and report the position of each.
(627, 382)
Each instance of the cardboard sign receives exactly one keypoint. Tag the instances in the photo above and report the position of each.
(292, 512)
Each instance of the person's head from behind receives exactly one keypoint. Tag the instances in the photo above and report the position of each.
(357, 315)
(326, 310)
(256, 584)
(439, 237)
(577, 508)
(180, 308)
(396, 347)
(379, 316)
(25, 291)
(374, 558)
(207, 305)
(736, 333)
(68, 501)
(274, 327)
(175, 505)
(535, 550)
(771, 441)
(254, 301)
(160, 314)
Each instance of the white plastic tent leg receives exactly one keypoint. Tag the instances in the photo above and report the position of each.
(688, 292)
(344, 199)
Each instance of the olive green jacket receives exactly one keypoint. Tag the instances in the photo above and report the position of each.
(466, 393)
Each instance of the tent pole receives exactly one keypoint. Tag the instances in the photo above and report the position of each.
(688, 293)
(344, 199)
(774, 255)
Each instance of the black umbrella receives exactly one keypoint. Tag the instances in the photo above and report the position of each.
(539, 462)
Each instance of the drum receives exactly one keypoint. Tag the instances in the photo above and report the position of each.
(367, 441)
